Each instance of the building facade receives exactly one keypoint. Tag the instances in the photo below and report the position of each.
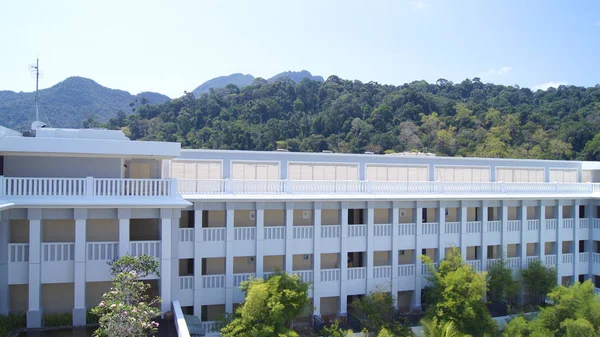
(71, 200)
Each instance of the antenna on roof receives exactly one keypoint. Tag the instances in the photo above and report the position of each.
(34, 69)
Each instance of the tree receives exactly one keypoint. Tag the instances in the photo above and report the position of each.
(575, 312)
(126, 310)
(384, 333)
(334, 330)
(432, 328)
(376, 312)
(269, 308)
(502, 286)
(537, 281)
(457, 292)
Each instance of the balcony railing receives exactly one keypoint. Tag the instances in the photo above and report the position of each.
(231, 186)
(86, 187)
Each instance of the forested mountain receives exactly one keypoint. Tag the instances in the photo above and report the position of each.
(470, 118)
(241, 80)
(69, 103)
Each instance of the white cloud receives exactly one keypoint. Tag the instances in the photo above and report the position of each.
(545, 86)
(499, 71)
(418, 5)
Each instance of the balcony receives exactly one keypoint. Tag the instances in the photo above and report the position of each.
(86, 187)
(328, 187)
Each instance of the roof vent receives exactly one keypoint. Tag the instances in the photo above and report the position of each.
(283, 150)
(327, 151)
(369, 152)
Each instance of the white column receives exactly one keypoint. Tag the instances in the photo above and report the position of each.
(343, 257)
(316, 258)
(441, 218)
(542, 244)
(289, 237)
(260, 224)
(589, 210)
(176, 215)
(575, 240)
(79, 308)
(463, 231)
(484, 235)
(34, 312)
(504, 219)
(124, 216)
(559, 229)
(370, 245)
(523, 241)
(229, 288)
(4, 241)
(395, 248)
(416, 299)
(198, 260)
(166, 222)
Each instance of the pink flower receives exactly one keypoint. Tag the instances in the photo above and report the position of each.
(125, 313)
(113, 306)
(134, 310)
(101, 304)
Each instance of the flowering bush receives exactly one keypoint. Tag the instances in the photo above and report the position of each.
(126, 310)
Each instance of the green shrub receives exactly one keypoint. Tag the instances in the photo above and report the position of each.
(58, 319)
(12, 321)
(91, 318)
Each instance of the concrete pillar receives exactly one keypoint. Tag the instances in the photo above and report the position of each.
(124, 215)
(4, 258)
(289, 237)
(176, 215)
(229, 288)
(523, 241)
(504, 220)
(559, 229)
(198, 260)
(542, 217)
(370, 245)
(576, 237)
(260, 225)
(463, 230)
(441, 218)
(484, 235)
(589, 215)
(34, 311)
(343, 257)
(418, 219)
(316, 258)
(166, 222)
(79, 308)
(395, 248)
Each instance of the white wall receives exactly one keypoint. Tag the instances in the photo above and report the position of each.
(72, 167)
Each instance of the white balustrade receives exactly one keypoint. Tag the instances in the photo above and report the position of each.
(513, 226)
(239, 278)
(513, 263)
(213, 281)
(551, 224)
(274, 232)
(186, 235)
(568, 223)
(596, 223)
(209, 328)
(406, 270)
(473, 227)
(244, 233)
(550, 260)
(305, 275)
(493, 262)
(567, 258)
(186, 282)
(584, 257)
(596, 291)
(58, 251)
(425, 268)
(475, 264)
(452, 228)
(494, 226)
(303, 232)
(430, 228)
(358, 273)
(330, 275)
(596, 257)
(533, 225)
(584, 223)
(330, 232)
(18, 252)
(213, 234)
(258, 186)
(382, 272)
(139, 248)
(530, 259)
(212, 186)
(115, 187)
(382, 230)
(60, 187)
(406, 229)
(102, 251)
(327, 186)
(357, 231)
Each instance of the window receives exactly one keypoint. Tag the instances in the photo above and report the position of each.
(519, 175)
(586, 176)
(255, 171)
(323, 172)
(463, 174)
(195, 170)
(563, 176)
(396, 173)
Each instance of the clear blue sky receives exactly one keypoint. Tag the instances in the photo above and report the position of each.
(172, 46)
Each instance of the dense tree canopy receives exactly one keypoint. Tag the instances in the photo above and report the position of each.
(470, 118)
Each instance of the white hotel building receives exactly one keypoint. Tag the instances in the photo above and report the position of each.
(70, 200)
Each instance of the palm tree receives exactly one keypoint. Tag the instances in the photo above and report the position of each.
(445, 329)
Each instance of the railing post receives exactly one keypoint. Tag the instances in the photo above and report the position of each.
(228, 186)
(89, 186)
(286, 187)
(2, 185)
(556, 186)
(502, 187)
(368, 187)
(173, 190)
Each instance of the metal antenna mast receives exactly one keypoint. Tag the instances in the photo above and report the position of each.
(35, 71)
